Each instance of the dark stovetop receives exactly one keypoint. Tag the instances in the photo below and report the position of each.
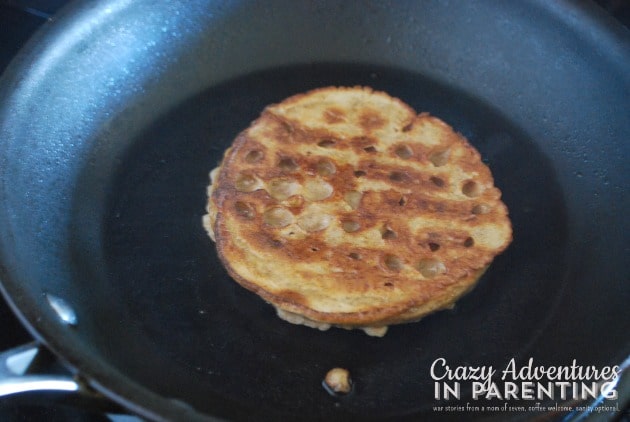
(18, 20)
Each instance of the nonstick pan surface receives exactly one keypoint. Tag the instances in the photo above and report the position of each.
(114, 114)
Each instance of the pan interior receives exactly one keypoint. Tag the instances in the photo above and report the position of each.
(175, 321)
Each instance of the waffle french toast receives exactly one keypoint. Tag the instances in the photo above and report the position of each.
(344, 207)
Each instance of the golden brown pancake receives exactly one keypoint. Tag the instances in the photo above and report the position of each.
(343, 207)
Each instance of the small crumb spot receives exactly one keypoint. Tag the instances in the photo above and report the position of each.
(359, 173)
(469, 242)
(337, 381)
(403, 201)
(408, 127)
(388, 284)
(354, 255)
(370, 149)
(434, 246)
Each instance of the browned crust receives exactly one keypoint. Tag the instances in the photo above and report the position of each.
(423, 298)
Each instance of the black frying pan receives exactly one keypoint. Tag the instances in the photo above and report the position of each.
(113, 115)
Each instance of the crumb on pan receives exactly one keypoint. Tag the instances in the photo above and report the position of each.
(338, 381)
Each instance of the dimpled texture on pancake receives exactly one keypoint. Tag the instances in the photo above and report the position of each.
(342, 206)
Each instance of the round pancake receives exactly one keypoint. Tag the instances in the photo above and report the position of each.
(342, 206)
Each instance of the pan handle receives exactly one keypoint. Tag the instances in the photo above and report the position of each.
(30, 374)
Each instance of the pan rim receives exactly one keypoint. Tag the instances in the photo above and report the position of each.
(101, 375)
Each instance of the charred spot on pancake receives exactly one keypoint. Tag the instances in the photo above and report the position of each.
(434, 246)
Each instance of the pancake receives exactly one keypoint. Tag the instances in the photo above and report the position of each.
(344, 207)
